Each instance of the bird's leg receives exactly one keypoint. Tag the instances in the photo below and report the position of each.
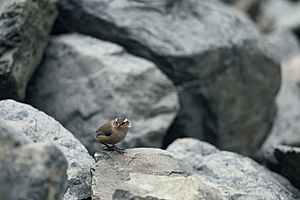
(109, 148)
(118, 149)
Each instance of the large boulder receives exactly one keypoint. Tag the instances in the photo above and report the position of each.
(226, 77)
(235, 176)
(113, 169)
(83, 82)
(28, 170)
(40, 127)
(24, 29)
(190, 170)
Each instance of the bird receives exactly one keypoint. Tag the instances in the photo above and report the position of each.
(113, 132)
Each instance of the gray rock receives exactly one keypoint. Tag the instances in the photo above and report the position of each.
(280, 151)
(24, 29)
(112, 169)
(237, 177)
(30, 171)
(285, 44)
(286, 128)
(288, 163)
(84, 82)
(9, 139)
(187, 147)
(226, 78)
(250, 7)
(285, 15)
(154, 187)
(40, 127)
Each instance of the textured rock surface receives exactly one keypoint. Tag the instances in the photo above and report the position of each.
(9, 139)
(251, 7)
(285, 15)
(39, 127)
(226, 79)
(24, 28)
(112, 169)
(236, 177)
(30, 171)
(153, 187)
(188, 147)
(84, 82)
(286, 128)
(285, 44)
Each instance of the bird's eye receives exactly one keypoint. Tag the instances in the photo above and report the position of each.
(127, 122)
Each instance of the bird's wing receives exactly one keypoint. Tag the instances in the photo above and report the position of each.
(105, 130)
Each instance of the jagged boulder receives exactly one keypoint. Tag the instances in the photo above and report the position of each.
(235, 176)
(28, 170)
(24, 29)
(39, 127)
(189, 169)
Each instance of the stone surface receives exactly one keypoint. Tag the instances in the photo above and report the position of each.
(284, 43)
(226, 78)
(153, 187)
(237, 177)
(285, 15)
(112, 169)
(280, 151)
(40, 127)
(24, 29)
(188, 147)
(28, 170)
(250, 7)
(84, 82)
(286, 128)
(9, 139)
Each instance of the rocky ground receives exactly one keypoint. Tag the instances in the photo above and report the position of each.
(212, 89)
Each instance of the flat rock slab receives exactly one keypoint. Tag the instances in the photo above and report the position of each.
(112, 169)
(24, 29)
(154, 187)
(40, 127)
(237, 177)
(84, 82)
(226, 76)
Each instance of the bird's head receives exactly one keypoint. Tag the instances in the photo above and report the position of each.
(121, 123)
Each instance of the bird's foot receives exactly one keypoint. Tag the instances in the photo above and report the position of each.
(108, 148)
(114, 148)
(119, 150)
